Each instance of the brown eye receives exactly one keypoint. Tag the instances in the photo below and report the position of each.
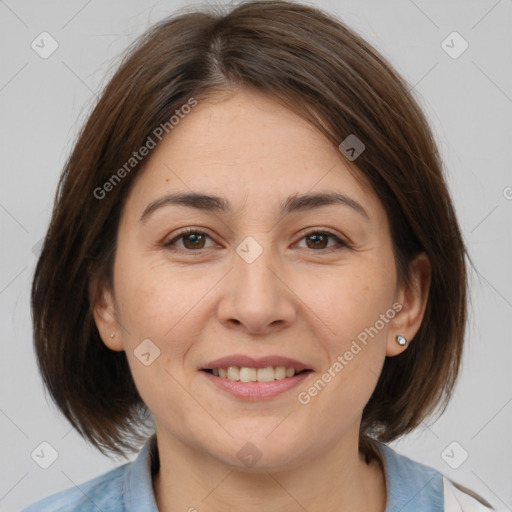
(318, 240)
(193, 241)
(190, 240)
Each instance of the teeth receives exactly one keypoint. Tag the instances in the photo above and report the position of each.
(233, 373)
(245, 374)
(265, 374)
(280, 372)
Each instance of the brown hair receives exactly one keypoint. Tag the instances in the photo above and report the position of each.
(319, 68)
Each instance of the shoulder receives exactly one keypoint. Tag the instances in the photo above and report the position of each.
(413, 486)
(103, 492)
(410, 485)
(127, 488)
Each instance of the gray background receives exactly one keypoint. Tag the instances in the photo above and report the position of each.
(468, 101)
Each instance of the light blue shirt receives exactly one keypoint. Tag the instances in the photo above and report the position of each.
(411, 487)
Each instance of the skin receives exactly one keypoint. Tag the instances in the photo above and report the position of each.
(295, 300)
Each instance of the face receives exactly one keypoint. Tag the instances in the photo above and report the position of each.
(261, 312)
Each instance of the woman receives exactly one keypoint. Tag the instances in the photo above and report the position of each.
(253, 265)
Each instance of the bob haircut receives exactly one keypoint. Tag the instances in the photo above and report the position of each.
(320, 69)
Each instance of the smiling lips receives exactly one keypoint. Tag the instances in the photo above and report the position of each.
(245, 374)
(251, 378)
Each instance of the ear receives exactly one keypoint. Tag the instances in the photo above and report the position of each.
(413, 299)
(105, 317)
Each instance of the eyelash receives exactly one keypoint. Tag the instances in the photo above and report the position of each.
(170, 244)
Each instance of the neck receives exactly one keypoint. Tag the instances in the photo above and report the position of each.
(339, 479)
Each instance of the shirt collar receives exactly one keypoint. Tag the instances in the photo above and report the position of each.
(138, 488)
(409, 485)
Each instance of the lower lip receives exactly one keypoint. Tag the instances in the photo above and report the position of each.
(256, 390)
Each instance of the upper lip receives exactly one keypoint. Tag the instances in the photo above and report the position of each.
(255, 362)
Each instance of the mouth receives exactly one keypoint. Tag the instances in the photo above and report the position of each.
(255, 379)
(248, 374)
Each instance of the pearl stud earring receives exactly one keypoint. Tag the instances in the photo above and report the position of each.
(401, 340)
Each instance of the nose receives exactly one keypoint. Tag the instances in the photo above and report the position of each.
(256, 298)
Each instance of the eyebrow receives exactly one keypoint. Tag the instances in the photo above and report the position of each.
(294, 203)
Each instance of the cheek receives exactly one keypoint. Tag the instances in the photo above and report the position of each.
(158, 302)
(357, 307)
(351, 299)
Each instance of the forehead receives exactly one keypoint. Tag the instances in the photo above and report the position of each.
(248, 148)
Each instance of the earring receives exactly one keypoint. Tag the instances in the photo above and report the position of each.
(112, 334)
(401, 340)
